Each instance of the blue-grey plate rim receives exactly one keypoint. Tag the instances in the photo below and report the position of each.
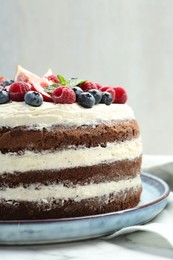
(48, 231)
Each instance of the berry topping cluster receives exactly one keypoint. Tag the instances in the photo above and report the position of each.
(34, 90)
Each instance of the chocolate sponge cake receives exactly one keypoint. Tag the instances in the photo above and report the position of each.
(64, 160)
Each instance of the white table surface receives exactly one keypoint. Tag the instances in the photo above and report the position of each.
(123, 247)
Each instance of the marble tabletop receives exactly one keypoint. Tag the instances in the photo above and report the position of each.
(137, 245)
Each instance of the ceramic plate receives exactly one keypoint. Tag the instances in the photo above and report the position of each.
(153, 201)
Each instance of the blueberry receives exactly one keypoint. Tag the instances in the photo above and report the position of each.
(4, 96)
(77, 91)
(7, 83)
(33, 98)
(96, 94)
(106, 98)
(86, 99)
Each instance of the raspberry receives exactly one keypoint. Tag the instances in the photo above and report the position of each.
(120, 95)
(110, 90)
(64, 95)
(87, 85)
(53, 78)
(18, 90)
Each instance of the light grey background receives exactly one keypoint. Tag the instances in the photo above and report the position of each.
(118, 42)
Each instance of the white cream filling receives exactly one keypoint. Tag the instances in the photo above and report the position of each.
(70, 158)
(48, 114)
(77, 193)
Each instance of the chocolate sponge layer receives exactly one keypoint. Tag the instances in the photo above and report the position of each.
(21, 138)
(22, 210)
(82, 175)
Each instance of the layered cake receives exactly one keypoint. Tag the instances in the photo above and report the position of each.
(67, 158)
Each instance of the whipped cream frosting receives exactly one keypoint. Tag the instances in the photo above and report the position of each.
(19, 113)
(77, 193)
(70, 158)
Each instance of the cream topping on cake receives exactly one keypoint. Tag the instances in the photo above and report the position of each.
(20, 114)
(70, 158)
(77, 193)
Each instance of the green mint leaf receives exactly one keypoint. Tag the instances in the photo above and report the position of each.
(62, 80)
(51, 88)
(75, 82)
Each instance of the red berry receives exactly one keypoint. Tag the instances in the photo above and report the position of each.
(120, 95)
(87, 85)
(18, 90)
(110, 90)
(64, 95)
(53, 78)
